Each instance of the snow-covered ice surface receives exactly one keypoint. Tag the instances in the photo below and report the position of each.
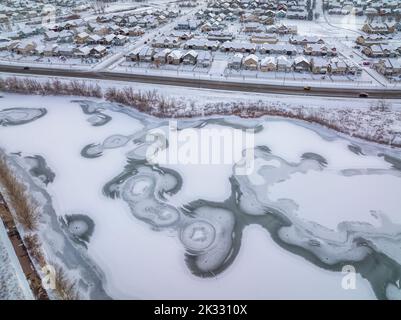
(314, 203)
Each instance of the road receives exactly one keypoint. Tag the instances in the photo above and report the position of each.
(377, 93)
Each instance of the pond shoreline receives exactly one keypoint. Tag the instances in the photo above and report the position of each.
(161, 106)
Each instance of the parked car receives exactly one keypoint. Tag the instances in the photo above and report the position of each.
(363, 95)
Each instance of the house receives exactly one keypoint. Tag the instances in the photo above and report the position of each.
(98, 52)
(220, 36)
(133, 55)
(315, 49)
(304, 40)
(65, 36)
(251, 62)
(81, 38)
(145, 54)
(26, 32)
(174, 57)
(253, 28)
(190, 57)
(82, 52)
(108, 40)
(284, 64)
(371, 12)
(66, 50)
(181, 35)
(161, 56)
(101, 30)
(3, 18)
(267, 20)
(136, 31)
(297, 15)
(319, 65)
(264, 38)
(377, 28)
(113, 29)
(202, 44)
(287, 49)
(120, 40)
(283, 29)
(337, 66)
(204, 59)
(94, 39)
(187, 25)
(166, 42)
(206, 27)
(235, 61)
(390, 50)
(25, 47)
(68, 25)
(102, 19)
(388, 67)
(148, 21)
(5, 46)
(48, 50)
(268, 64)
(301, 64)
(51, 36)
(249, 17)
(238, 46)
(371, 40)
(373, 51)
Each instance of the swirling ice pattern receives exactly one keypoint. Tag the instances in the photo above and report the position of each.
(211, 232)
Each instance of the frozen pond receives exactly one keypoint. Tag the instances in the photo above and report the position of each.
(314, 205)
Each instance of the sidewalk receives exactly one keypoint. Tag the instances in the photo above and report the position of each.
(32, 277)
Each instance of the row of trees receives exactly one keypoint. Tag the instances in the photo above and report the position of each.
(50, 87)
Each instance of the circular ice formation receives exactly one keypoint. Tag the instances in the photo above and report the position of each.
(18, 116)
(99, 119)
(138, 187)
(198, 235)
(156, 214)
(92, 151)
(165, 215)
(139, 152)
(78, 227)
(115, 141)
(215, 251)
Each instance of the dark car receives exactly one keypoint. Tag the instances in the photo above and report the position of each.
(307, 88)
(363, 95)
(26, 68)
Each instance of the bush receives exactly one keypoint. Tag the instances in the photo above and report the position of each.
(24, 208)
(33, 245)
(65, 288)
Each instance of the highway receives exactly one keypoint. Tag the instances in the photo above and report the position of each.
(376, 93)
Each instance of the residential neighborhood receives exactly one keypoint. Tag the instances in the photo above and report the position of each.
(229, 38)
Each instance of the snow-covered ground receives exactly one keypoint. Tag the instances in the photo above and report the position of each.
(13, 284)
(311, 183)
